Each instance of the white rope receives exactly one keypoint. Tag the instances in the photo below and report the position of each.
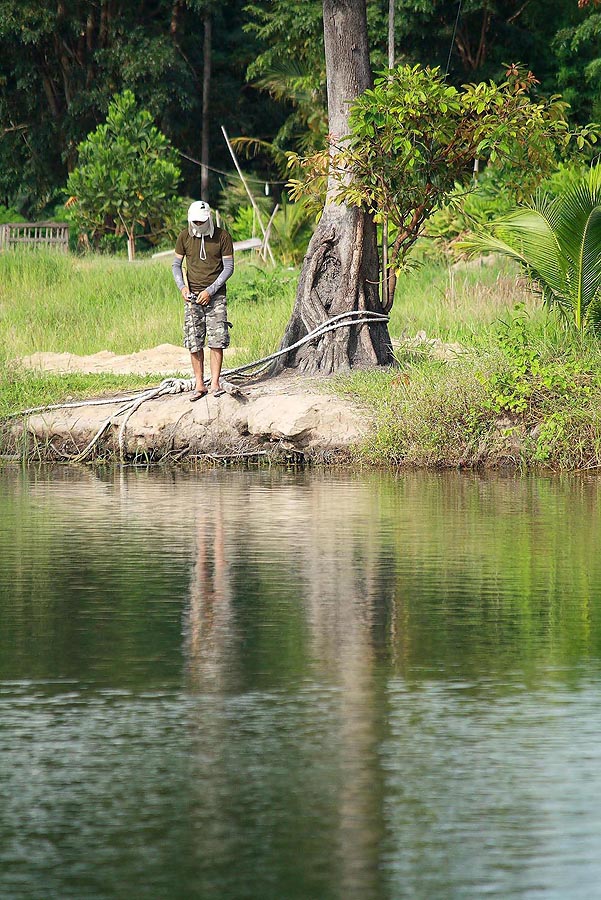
(181, 385)
(331, 325)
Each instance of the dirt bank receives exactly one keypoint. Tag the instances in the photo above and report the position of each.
(275, 417)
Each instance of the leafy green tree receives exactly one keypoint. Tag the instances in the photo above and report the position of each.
(60, 64)
(414, 137)
(127, 173)
(577, 49)
(478, 38)
(558, 243)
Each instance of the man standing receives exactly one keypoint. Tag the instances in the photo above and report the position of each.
(209, 253)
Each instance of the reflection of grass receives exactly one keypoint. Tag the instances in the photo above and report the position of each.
(515, 546)
(463, 574)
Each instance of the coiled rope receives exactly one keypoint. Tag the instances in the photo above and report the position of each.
(132, 401)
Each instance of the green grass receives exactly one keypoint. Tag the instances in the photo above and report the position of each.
(57, 303)
(458, 304)
(51, 302)
(490, 404)
(21, 389)
(536, 405)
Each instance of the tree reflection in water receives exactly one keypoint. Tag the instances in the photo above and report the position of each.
(338, 586)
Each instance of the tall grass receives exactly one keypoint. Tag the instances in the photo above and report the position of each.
(458, 303)
(58, 303)
(536, 404)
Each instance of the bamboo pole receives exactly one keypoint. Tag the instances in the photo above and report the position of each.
(250, 196)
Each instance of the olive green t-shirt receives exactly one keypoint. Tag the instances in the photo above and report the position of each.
(203, 272)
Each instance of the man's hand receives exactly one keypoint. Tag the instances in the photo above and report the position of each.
(185, 293)
(204, 298)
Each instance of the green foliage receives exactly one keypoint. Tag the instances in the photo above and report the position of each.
(303, 87)
(60, 63)
(127, 173)
(528, 380)
(291, 231)
(557, 241)
(9, 214)
(576, 47)
(286, 30)
(414, 137)
(234, 198)
(244, 224)
(25, 389)
(492, 197)
(258, 285)
(468, 207)
(486, 34)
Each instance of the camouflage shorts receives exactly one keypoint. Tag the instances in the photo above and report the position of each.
(206, 322)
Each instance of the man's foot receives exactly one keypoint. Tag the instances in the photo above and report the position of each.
(198, 395)
(217, 390)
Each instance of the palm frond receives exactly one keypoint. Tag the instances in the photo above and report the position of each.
(292, 81)
(253, 146)
(589, 269)
(527, 237)
(592, 316)
(558, 243)
(573, 212)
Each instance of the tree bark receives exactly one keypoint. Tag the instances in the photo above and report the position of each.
(340, 271)
(206, 89)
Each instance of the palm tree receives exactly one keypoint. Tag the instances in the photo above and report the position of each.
(557, 241)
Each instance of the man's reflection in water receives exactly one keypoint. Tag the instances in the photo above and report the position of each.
(208, 628)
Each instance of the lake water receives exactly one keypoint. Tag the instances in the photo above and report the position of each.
(307, 686)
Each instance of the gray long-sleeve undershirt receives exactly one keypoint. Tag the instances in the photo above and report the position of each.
(176, 268)
(228, 268)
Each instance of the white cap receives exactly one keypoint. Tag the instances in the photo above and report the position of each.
(199, 211)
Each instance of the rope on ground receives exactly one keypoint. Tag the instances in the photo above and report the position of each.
(181, 385)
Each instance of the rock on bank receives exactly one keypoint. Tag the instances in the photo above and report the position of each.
(277, 416)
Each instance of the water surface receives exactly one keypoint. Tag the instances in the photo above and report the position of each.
(272, 685)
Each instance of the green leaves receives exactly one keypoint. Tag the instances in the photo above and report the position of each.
(527, 382)
(127, 172)
(558, 244)
(414, 138)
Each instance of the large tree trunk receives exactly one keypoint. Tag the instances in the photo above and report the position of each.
(340, 271)
(206, 90)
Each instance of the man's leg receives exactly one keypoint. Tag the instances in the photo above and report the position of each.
(194, 338)
(197, 359)
(217, 337)
(216, 362)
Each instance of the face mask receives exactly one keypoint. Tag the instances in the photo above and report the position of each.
(205, 229)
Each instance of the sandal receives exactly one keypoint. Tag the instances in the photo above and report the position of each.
(198, 395)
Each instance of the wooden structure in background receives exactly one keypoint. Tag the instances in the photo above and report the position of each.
(34, 234)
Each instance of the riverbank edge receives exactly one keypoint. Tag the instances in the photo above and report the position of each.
(284, 421)
(276, 420)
